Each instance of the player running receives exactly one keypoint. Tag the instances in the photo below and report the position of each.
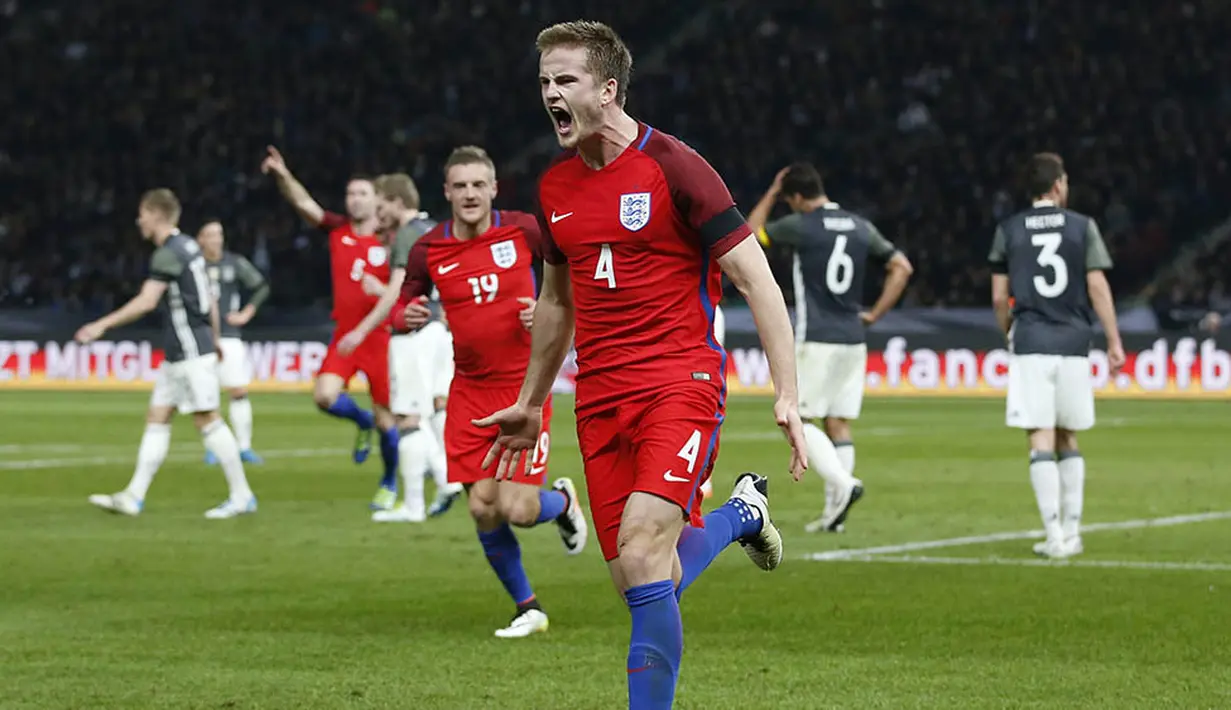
(188, 376)
(1037, 258)
(481, 262)
(359, 264)
(636, 226)
(831, 248)
(240, 289)
(414, 376)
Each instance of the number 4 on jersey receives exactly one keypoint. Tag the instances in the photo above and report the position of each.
(605, 271)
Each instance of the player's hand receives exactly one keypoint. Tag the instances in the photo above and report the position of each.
(238, 319)
(273, 162)
(787, 415)
(89, 332)
(867, 317)
(350, 342)
(776, 186)
(526, 314)
(416, 315)
(373, 286)
(1116, 357)
(219, 353)
(514, 446)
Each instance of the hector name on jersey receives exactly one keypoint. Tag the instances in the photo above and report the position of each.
(479, 281)
(352, 255)
(641, 238)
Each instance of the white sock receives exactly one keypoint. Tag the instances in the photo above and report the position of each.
(219, 439)
(846, 454)
(153, 451)
(439, 457)
(414, 448)
(824, 458)
(1072, 491)
(240, 415)
(1045, 477)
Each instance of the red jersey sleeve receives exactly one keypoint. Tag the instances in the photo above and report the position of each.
(550, 252)
(332, 220)
(418, 281)
(700, 195)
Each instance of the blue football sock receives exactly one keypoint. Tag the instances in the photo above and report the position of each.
(655, 647)
(698, 547)
(551, 505)
(345, 408)
(504, 555)
(389, 456)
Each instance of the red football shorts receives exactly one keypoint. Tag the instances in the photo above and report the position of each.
(466, 444)
(371, 358)
(663, 443)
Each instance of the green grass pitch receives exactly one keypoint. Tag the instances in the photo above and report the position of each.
(310, 605)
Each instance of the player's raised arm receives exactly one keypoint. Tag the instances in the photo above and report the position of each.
(759, 216)
(1098, 261)
(897, 273)
(999, 262)
(293, 190)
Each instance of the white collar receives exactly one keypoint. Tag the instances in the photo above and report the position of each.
(831, 206)
(1044, 203)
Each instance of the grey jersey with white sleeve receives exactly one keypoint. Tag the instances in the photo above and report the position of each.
(236, 283)
(832, 247)
(1046, 251)
(186, 303)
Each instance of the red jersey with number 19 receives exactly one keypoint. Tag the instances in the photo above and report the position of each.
(641, 238)
(351, 255)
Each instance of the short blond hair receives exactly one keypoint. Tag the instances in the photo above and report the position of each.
(398, 186)
(163, 201)
(469, 155)
(607, 57)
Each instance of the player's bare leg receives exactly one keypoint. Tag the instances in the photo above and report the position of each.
(446, 493)
(414, 452)
(330, 397)
(387, 493)
(504, 555)
(1045, 478)
(526, 506)
(842, 490)
(1072, 469)
(239, 413)
(659, 558)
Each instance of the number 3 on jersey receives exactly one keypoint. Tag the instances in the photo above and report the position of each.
(605, 271)
(1049, 257)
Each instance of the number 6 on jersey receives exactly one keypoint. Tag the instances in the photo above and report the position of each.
(605, 270)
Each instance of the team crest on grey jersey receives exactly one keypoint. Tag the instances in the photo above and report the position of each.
(504, 253)
(634, 210)
(377, 256)
(228, 273)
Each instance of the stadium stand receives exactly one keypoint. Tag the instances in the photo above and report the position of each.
(917, 111)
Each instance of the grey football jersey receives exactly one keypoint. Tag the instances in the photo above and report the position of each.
(832, 247)
(1046, 252)
(236, 283)
(406, 236)
(186, 303)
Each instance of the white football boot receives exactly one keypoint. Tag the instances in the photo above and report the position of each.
(230, 509)
(837, 507)
(1059, 549)
(400, 514)
(572, 522)
(765, 547)
(527, 623)
(123, 503)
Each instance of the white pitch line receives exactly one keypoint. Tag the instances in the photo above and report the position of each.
(1026, 562)
(1015, 535)
(87, 461)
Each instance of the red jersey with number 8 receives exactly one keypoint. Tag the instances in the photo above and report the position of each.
(352, 255)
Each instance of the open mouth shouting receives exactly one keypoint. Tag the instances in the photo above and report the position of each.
(563, 120)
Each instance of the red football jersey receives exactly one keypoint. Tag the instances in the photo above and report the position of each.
(351, 256)
(480, 281)
(641, 238)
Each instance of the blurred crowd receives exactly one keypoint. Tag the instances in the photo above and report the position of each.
(918, 113)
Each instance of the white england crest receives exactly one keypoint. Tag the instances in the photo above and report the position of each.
(634, 210)
(377, 256)
(504, 253)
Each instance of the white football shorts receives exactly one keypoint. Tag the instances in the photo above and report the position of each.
(1050, 392)
(831, 379)
(191, 386)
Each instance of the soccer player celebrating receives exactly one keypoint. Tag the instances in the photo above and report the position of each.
(240, 289)
(412, 358)
(188, 376)
(1038, 257)
(481, 263)
(636, 226)
(359, 263)
(831, 247)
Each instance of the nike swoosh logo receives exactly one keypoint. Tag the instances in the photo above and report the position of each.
(674, 479)
(442, 270)
(348, 241)
(557, 217)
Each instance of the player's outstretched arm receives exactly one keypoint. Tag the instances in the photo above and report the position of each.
(293, 190)
(139, 305)
(746, 266)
